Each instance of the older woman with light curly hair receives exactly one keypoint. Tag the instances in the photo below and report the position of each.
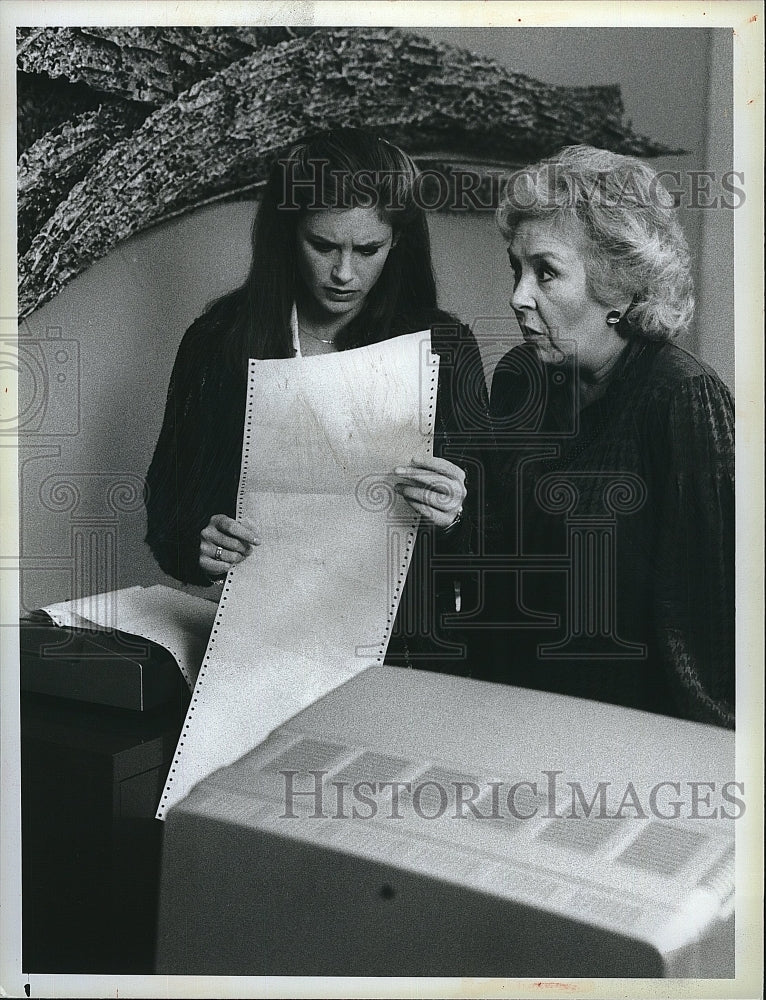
(611, 489)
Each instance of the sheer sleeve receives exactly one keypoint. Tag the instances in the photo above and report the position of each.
(441, 581)
(194, 471)
(521, 395)
(462, 424)
(694, 562)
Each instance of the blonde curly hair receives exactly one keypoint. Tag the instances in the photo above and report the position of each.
(635, 245)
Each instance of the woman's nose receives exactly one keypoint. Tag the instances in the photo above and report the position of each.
(342, 270)
(522, 297)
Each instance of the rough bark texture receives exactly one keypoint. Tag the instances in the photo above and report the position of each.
(221, 135)
(57, 161)
(43, 104)
(141, 64)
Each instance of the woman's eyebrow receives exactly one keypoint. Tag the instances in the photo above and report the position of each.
(371, 245)
(539, 256)
(545, 255)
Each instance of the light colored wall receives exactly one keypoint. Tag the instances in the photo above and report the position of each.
(715, 285)
(670, 95)
(127, 313)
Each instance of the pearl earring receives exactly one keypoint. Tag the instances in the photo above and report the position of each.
(613, 317)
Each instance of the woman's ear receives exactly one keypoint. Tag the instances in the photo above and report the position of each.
(625, 305)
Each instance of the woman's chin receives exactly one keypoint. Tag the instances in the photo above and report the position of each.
(545, 350)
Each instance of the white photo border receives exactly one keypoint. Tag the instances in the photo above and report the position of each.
(746, 21)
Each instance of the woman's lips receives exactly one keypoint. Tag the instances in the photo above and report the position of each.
(527, 331)
(340, 293)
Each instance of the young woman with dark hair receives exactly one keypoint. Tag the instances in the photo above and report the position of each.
(341, 259)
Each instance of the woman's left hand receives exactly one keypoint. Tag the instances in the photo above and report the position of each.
(434, 487)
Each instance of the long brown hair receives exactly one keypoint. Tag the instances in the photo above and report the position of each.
(342, 168)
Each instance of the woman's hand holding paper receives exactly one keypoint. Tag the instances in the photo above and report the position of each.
(224, 542)
(434, 488)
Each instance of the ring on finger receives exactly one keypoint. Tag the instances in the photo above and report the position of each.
(439, 500)
(218, 554)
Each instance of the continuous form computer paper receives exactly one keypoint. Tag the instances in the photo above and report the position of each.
(177, 621)
(315, 602)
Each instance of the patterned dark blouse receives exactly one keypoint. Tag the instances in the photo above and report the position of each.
(195, 473)
(612, 534)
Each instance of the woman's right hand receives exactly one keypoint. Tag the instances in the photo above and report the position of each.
(224, 542)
